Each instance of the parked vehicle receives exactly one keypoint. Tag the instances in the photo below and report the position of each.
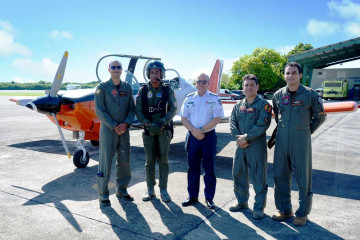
(240, 93)
(226, 94)
(268, 95)
(335, 89)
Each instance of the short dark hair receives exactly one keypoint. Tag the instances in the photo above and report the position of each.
(251, 77)
(294, 64)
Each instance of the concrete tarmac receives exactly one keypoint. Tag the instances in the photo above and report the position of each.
(44, 196)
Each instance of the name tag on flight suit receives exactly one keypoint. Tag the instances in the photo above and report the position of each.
(123, 94)
(297, 102)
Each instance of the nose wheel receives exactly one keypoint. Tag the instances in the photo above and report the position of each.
(80, 159)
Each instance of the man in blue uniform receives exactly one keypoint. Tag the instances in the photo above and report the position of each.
(249, 121)
(200, 113)
(155, 108)
(298, 112)
(114, 106)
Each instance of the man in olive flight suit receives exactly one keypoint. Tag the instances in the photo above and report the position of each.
(115, 107)
(249, 121)
(155, 108)
(298, 112)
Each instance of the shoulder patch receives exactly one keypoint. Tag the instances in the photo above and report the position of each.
(98, 91)
(190, 94)
(320, 100)
(267, 108)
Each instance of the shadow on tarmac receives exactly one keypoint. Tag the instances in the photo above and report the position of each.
(172, 214)
(286, 228)
(134, 225)
(77, 186)
(233, 227)
(52, 146)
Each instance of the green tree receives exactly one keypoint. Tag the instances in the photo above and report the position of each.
(265, 63)
(227, 83)
(300, 47)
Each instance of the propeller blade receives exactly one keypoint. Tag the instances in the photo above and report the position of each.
(22, 101)
(59, 76)
(61, 135)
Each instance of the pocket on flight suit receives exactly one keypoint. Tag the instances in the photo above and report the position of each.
(164, 145)
(147, 140)
(125, 143)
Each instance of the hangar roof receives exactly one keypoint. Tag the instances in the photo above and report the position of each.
(329, 55)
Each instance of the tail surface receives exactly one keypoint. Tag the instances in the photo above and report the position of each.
(215, 78)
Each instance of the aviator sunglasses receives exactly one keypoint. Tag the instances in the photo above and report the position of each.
(115, 67)
(201, 81)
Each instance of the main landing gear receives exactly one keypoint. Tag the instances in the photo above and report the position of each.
(81, 158)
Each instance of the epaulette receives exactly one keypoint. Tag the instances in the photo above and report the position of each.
(101, 85)
(213, 94)
(190, 94)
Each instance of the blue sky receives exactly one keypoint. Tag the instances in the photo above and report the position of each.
(188, 35)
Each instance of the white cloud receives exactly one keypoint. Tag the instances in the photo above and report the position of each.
(350, 26)
(284, 49)
(6, 26)
(346, 9)
(352, 29)
(317, 28)
(59, 35)
(44, 70)
(8, 45)
(23, 80)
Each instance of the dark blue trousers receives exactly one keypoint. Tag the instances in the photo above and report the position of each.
(202, 151)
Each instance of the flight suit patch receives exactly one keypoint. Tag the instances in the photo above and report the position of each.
(98, 91)
(159, 94)
(149, 95)
(251, 110)
(321, 113)
(267, 108)
(242, 109)
(297, 102)
(320, 100)
(266, 120)
(285, 100)
(114, 93)
(123, 94)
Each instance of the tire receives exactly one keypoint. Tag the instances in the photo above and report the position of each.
(94, 143)
(79, 161)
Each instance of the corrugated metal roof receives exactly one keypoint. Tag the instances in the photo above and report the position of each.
(328, 55)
